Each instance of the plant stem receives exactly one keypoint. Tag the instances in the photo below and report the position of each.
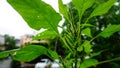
(71, 21)
(63, 40)
(62, 62)
(65, 43)
(76, 57)
(106, 61)
(86, 22)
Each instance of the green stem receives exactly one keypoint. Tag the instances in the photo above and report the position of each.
(71, 45)
(63, 40)
(86, 22)
(71, 21)
(79, 30)
(94, 38)
(76, 58)
(63, 63)
(106, 61)
(65, 43)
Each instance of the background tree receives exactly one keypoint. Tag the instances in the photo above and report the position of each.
(10, 42)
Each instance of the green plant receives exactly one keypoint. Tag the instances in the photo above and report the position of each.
(39, 15)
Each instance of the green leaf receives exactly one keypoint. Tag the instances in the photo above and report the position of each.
(110, 30)
(4, 54)
(63, 9)
(88, 63)
(87, 46)
(82, 5)
(36, 13)
(80, 48)
(7, 53)
(102, 8)
(87, 32)
(96, 53)
(53, 54)
(29, 53)
(68, 56)
(47, 34)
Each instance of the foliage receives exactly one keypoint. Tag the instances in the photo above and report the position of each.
(31, 51)
(110, 45)
(78, 36)
(10, 42)
(36, 15)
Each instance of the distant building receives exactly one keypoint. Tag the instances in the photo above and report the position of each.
(26, 39)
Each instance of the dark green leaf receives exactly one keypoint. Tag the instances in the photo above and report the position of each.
(103, 8)
(109, 31)
(47, 34)
(36, 13)
(88, 63)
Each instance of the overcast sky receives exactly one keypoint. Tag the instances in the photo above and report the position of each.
(12, 23)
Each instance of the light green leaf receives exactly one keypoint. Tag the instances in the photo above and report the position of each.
(88, 63)
(36, 13)
(82, 5)
(110, 30)
(87, 32)
(53, 54)
(63, 9)
(87, 46)
(29, 53)
(102, 8)
(47, 34)
(80, 48)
